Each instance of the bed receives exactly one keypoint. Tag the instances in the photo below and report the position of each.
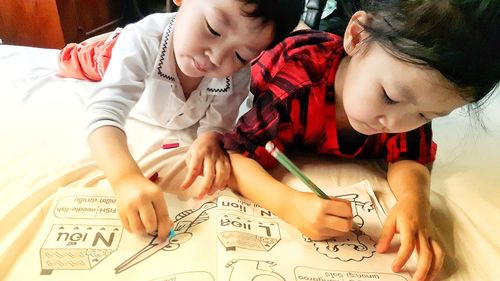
(43, 148)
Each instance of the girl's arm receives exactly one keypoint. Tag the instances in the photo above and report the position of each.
(140, 202)
(410, 183)
(316, 218)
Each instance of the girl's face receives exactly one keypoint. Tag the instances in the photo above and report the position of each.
(213, 38)
(378, 93)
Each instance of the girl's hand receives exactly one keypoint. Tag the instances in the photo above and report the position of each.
(411, 219)
(206, 157)
(141, 206)
(317, 218)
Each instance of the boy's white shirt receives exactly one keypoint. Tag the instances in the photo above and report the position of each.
(141, 81)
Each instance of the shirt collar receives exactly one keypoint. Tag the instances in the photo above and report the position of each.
(165, 70)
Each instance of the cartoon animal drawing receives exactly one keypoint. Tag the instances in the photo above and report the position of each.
(355, 245)
(253, 270)
(183, 223)
(358, 208)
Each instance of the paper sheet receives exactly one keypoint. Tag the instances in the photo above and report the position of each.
(227, 238)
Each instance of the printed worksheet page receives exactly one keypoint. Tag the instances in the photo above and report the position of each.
(228, 238)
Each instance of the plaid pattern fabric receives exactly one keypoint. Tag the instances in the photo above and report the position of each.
(294, 105)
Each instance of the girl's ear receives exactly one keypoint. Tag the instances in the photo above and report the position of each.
(177, 2)
(355, 33)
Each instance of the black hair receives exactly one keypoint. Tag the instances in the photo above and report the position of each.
(458, 38)
(283, 14)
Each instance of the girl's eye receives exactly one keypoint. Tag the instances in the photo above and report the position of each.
(211, 29)
(425, 118)
(387, 99)
(242, 60)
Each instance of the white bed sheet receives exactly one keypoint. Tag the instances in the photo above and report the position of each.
(42, 147)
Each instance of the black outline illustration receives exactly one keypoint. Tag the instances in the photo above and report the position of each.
(346, 275)
(188, 276)
(247, 238)
(184, 221)
(245, 269)
(355, 245)
(81, 250)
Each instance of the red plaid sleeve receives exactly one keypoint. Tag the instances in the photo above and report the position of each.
(278, 76)
(415, 145)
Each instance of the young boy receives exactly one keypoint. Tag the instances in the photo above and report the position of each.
(180, 70)
(370, 94)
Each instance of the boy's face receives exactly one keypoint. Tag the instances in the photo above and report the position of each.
(381, 93)
(212, 37)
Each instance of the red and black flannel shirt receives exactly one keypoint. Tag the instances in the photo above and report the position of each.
(294, 105)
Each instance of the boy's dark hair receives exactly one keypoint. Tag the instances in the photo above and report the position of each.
(459, 38)
(283, 14)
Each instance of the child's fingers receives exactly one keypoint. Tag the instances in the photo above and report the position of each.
(388, 231)
(124, 220)
(424, 258)
(135, 222)
(438, 259)
(339, 207)
(405, 250)
(208, 178)
(164, 222)
(194, 170)
(148, 217)
(336, 225)
(325, 234)
(221, 176)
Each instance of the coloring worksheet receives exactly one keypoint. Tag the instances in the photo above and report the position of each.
(226, 238)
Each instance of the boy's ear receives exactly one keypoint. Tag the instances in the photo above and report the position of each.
(177, 2)
(355, 33)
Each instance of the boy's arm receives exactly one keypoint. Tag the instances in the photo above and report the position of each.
(410, 183)
(110, 150)
(206, 157)
(316, 218)
(141, 205)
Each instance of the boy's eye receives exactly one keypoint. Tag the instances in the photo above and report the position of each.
(387, 99)
(211, 29)
(242, 60)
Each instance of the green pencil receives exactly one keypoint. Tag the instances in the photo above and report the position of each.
(287, 163)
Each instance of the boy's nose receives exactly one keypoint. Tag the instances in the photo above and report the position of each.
(218, 55)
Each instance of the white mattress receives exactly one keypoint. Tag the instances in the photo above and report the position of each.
(42, 148)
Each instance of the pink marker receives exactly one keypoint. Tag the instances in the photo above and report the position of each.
(170, 145)
(154, 177)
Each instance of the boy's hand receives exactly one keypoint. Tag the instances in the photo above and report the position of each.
(206, 157)
(141, 207)
(317, 218)
(410, 218)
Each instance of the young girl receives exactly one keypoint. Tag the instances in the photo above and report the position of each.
(371, 94)
(179, 70)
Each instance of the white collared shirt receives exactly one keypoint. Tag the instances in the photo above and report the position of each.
(141, 81)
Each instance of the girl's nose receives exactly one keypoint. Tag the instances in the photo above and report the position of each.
(384, 121)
